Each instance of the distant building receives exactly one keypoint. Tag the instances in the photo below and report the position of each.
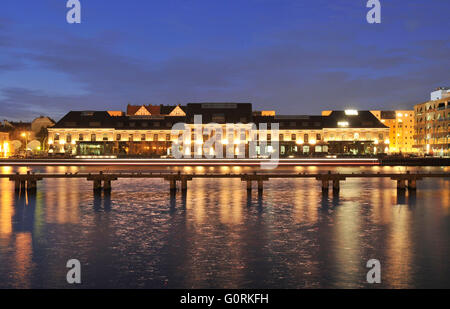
(432, 130)
(27, 133)
(17, 129)
(5, 149)
(146, 131)
(401, 129)
(355, 132)
(440, 93)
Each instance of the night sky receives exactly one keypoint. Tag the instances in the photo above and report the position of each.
(296, 57)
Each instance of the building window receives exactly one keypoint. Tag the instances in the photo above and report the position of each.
(93, 138)
(155, 138)
(294, 137)
(69, 138)
(119, 137)
(143, 137)
(130, 138)
(105, 137)
(57, 137)
(318, 137)
(281, 138)
(243, 137)
(81, 137)
(168, 137)
(306, 139)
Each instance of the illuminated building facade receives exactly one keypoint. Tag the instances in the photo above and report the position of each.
(5, 145)
(432, 131)
(401, 129)
(147, 131)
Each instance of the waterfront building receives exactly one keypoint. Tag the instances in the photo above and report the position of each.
(5, 149)
(432, 130)
(440, 93)
(401, 129)
(33, 134)
(147, 131)
(17, 129)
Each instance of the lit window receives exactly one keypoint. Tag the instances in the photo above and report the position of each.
(351, 112)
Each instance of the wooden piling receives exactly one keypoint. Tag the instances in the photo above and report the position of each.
(336, 185)
(325, 185)
(17, 185)
(401, 184)
(249, 185)
(412, 184)
(97, 185)
(107, 185)
(260, 185)
(184, 185)
(173, 185)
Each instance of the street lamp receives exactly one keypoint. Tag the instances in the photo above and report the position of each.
(25, 136)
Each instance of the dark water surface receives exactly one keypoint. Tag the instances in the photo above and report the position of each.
(219, 237)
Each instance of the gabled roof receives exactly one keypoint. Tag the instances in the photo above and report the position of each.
(173, 110)
(152, 110)
(363, 119)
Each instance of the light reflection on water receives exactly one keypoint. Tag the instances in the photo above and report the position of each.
(217, 236)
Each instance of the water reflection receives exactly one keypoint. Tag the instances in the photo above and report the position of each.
(400, 248)
(6, 208)
(62, 199)
(219, 235)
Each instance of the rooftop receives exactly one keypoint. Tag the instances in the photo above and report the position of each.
(213, 112)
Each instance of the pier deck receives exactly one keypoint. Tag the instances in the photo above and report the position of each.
(29, 180)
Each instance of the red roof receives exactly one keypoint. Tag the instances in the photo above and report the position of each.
(154, 110)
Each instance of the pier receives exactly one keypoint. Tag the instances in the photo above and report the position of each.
(103, 181)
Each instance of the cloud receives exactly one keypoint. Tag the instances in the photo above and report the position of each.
(25, 104)
(297, 71)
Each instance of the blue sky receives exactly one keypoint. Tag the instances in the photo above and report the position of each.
(298, 57)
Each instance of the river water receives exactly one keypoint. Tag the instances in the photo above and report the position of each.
(218, 236)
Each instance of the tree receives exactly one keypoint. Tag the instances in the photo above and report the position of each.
(42, 137)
